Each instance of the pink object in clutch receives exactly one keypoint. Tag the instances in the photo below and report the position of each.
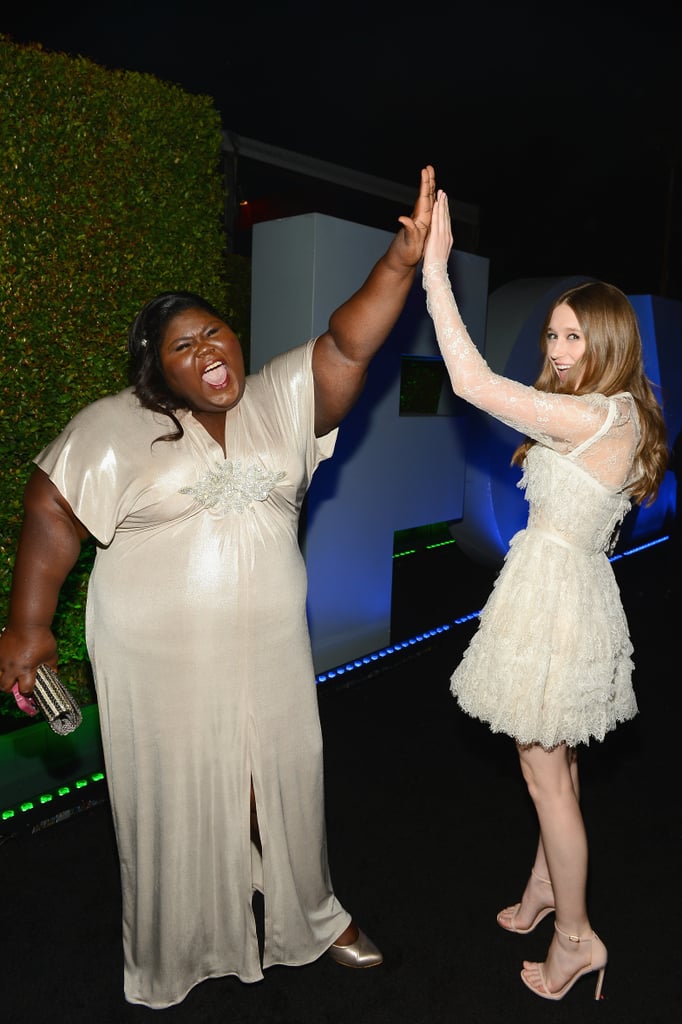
(53, 699)
(24, 703)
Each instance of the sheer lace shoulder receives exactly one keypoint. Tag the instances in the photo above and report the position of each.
(599, 432)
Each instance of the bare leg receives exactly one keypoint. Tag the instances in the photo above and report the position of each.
(351, 933)
(255, 831)
(348, 936)
(551, 777)
(538, 895)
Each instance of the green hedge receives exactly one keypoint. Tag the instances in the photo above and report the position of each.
(112, 190)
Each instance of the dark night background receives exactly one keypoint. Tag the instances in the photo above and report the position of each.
(559, 122)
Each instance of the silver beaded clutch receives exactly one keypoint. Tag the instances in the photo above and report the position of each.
(57, 704)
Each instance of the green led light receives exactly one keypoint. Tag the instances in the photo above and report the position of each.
(46, 798)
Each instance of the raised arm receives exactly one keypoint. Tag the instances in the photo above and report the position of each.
(49, 545)
(558, 420)
(359, 327)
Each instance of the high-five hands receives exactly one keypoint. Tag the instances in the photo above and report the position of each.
(411, 239)
(439, 240)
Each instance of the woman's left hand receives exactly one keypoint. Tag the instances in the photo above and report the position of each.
(439, 241)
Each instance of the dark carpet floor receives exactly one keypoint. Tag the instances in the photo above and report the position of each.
(430, 833)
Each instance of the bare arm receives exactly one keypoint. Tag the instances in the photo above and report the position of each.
(359, 327)
(49, 545)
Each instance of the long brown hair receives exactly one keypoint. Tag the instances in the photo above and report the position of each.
(612, 363)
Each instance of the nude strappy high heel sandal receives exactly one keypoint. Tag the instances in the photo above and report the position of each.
(540, 916)
(598, 961)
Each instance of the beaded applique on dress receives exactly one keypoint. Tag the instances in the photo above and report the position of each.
(232, 487)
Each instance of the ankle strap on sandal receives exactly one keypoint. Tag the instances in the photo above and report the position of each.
(539, 877)
(574, 938)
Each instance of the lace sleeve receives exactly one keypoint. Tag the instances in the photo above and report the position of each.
(559, 421)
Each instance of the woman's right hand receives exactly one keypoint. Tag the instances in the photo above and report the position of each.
(439, 241)
(21, 652)
(49, 545)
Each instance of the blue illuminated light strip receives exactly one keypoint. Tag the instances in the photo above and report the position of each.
(376, 657)
(642, 547)
(14, 814)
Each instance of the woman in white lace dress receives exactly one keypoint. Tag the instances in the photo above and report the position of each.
(550, 663)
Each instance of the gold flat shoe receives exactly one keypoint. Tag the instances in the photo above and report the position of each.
(361, 953)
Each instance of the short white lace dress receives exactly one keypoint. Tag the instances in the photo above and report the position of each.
(551, 659)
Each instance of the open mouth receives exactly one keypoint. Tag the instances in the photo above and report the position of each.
(215, 374)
